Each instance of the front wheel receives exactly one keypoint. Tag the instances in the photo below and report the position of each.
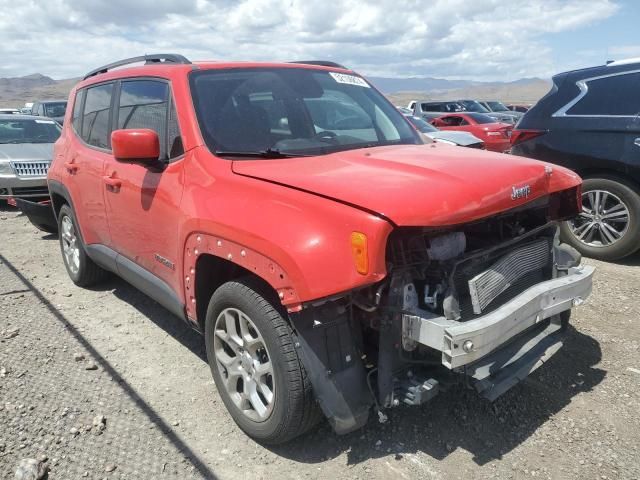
(255, 364)
(608, 227)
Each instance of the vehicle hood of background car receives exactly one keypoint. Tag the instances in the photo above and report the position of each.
(26, 151)
(430, 185)
(503, 117)
(459, 138)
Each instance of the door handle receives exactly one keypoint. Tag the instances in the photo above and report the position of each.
(71, 166)
(112, 183)
(636, 142)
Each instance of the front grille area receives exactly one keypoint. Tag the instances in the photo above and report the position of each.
(30, 169)
(488, 285)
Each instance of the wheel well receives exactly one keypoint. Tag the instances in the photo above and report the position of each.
(610, 175)
(212, 272)
(58, 201)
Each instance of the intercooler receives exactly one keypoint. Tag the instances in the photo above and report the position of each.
(507, 271)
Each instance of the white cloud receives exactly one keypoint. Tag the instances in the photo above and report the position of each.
(483, 39)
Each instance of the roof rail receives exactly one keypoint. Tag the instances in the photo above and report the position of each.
(322, 63)
(148, 59)
(624, 61)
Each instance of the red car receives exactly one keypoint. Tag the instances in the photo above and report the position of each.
(334, 262)
(495, 135)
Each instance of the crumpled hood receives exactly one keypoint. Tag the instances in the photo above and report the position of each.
(26, 151)
(417, 185)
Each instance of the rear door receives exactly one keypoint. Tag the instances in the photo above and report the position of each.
(84, 162)
(602, 123)
(144, 210)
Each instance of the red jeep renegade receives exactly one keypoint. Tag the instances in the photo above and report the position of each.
(333, 260)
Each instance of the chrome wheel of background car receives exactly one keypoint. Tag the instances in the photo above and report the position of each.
(603, 221)
(70, 245)
(244, 364)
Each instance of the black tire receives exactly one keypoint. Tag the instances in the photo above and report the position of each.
(295, 409)
(630, 240)
(87, 273)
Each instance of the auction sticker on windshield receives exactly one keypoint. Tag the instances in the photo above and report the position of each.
(45, 121)
(349, 79)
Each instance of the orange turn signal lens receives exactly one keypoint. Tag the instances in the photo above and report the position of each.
(360, 253)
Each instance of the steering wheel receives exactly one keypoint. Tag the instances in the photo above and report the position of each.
(327, 135)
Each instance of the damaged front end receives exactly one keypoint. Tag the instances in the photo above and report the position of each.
(484, 304)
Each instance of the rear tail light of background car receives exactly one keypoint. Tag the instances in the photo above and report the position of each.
(519, 136)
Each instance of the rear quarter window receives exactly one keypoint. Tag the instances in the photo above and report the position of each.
(76, 119)
(617, 95)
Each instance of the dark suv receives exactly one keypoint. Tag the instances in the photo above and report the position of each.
(589, 122)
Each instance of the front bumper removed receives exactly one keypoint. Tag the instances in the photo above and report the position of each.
(499, 349)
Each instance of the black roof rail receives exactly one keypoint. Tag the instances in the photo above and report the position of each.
(322, 63)
(148, 59)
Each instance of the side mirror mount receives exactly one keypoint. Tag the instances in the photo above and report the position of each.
(140, 145)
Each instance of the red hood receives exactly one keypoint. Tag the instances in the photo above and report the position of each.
(416, 185)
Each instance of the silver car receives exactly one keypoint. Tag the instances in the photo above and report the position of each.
(462, 139)
(26, 149)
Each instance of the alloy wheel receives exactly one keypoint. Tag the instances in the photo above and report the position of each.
(603, 221)
(70, 246)
(244, 364)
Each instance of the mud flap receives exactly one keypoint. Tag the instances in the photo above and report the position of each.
(328, 350)
(496, 373)
(40, 214)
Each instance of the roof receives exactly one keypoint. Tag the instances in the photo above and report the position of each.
(15, 116)
(44, 102)
(166, 64)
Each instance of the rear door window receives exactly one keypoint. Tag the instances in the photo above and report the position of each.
(617, 95)
(95, 117)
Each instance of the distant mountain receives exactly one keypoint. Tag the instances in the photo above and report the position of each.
(16, 91)
(416, 84)
(429, 84)
(526, 90)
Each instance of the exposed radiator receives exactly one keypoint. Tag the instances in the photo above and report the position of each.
(486, 286)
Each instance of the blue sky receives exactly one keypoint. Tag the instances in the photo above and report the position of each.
(467, 39)
(610, 38)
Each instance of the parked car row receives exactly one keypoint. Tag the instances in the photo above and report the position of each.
(430, 109)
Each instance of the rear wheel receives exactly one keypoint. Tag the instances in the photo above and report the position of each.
(608, 227)
(255, 364)
(81, 269)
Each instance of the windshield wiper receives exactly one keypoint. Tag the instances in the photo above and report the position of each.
(268, 153)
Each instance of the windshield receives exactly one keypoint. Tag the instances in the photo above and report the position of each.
(481, 118)
(55, 109)
(29, 131)
(421, 125)
(472, 106)
(497, 106)
(293, 111)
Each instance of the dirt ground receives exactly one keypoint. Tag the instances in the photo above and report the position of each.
(107, 384)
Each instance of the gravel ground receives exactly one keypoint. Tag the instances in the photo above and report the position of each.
(106, 384)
